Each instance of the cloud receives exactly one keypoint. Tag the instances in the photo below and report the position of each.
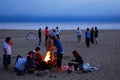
(60, 7)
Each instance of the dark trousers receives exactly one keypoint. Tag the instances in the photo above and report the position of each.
(6, 59)
(58, 36)
(88, 42)
(40, 41)
(92, 40)
(59, 60)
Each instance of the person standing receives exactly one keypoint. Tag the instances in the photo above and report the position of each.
(7, 52)
(46, 33)
(92, 35)
(58, 45)
(87, 37)
(57, 32)
(96, 35)
(79, 34)
(39, 36)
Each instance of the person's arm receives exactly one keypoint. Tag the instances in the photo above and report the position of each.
(5, 51)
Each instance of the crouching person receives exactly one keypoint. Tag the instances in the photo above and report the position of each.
(77, 62)
(30, 65)
(20, 65)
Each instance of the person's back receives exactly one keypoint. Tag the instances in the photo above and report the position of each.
(58, 44)
(79, 60)
(79, 34)
(92, 35)
(20, 64)
(57, 32)
(88, 34)
(30, 64)
(96, 32)
(46, 33)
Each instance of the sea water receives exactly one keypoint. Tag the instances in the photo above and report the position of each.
(61, 25)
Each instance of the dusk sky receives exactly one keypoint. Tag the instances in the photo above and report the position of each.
(42, 8)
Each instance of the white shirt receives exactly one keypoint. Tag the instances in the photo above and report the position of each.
(20, 64)
(7, 47)
(78, 32)
(57, 31)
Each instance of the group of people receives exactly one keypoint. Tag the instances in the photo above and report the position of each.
(90, 35)
(35, 60)
(56, 31)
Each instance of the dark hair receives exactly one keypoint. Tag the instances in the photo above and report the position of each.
(37, 48)
(75, 53)
(95, 28)
(87, 29)
(31, 52)
(28, 58)
(18, 56)
(7, 39)
(46, 28)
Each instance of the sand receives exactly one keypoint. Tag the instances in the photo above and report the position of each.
(106, 54)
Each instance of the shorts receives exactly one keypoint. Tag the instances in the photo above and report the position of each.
(7, 59)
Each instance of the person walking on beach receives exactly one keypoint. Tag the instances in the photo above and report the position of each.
(92, 35)
(57, 32)
(39, 36)
(7, 52)
(96, 35)
(87, 37)
(79, 34)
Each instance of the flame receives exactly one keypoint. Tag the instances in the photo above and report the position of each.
(47, 57)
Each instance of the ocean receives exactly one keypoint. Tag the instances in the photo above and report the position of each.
(61, 25)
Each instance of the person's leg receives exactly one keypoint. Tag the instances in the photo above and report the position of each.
(59, 60)
(87, 42)
(39, 41)
(6, 61)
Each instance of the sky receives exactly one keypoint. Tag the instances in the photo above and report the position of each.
(70, 8)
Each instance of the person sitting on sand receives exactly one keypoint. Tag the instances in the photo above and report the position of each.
(78, 61)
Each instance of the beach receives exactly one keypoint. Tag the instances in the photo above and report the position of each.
(106, 54)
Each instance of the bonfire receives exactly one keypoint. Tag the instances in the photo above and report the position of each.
(50, 59)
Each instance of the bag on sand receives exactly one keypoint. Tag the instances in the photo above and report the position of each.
(88, 68)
